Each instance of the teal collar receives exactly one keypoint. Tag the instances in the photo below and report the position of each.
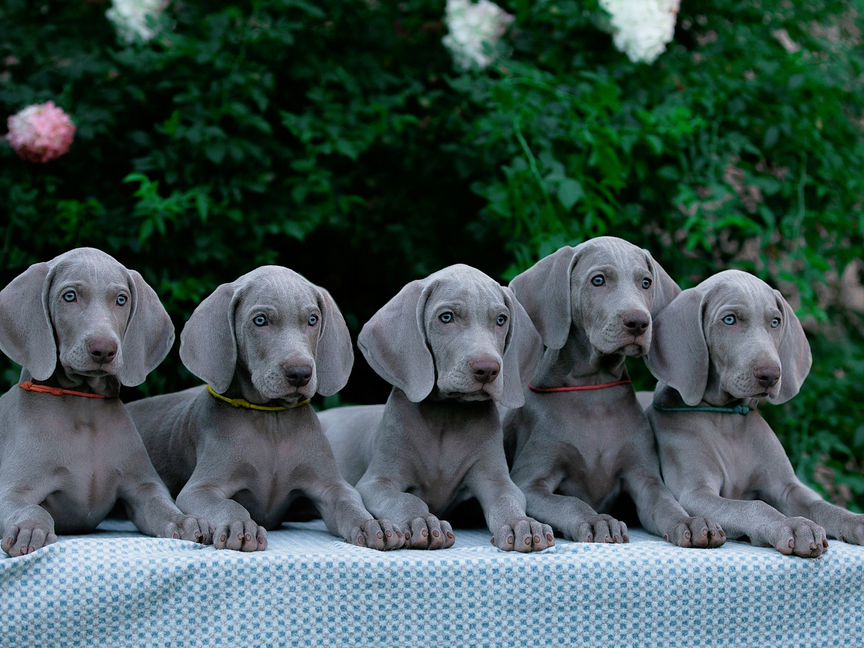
(743, 410)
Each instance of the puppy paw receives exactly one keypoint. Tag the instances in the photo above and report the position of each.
(26, 537)
(188, 527)
(381, 535)
(696, 532)
(599, 528)
(241, 535)
(524, 535)
(852, 530)
(798, 536)
(428, 532)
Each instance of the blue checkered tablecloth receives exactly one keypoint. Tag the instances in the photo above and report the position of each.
(118, 588)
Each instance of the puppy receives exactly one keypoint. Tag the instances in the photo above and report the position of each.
(452, 345)
(80, 325)
(241, 449)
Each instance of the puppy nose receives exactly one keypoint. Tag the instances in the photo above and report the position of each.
(102, 350)
(485, 370)
(297, 375)
(636, 322)
(767, 375)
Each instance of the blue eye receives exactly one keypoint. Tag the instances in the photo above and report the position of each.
(70, 296)
(501, 320)
(646, 283)
(313, 320)
(260, 320)
(775, 323)
(121, 300)
(598, 280)
(446, 317)
(729, 320)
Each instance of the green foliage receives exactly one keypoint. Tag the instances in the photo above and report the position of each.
(338, 139)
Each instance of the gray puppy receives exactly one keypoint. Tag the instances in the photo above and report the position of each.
(241, 450)
(80, 325)
(723, 347)
(582, 440)
(452, 345)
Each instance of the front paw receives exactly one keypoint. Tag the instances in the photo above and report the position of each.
(599, 528)
(852, 530)
(798, 536)
(187, 527)
(696, 532)
(26, 537)
(428, 532)
(524, 535)
(382, 535)
(241, 535)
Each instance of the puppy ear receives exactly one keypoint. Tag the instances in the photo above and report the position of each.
(335, 355)
(664, 287)
(679, 353)
(149, 333)
(394, 342)
(26, 333)
(208, 347)
(544, 292)
(522, 350)
(795, 356)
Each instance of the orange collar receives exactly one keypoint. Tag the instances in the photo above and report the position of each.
(556, 390)
(58, 391)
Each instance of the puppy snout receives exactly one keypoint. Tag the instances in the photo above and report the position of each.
(102, 350)
(485, 370)
(297, 375)
(767, 375)
(636, 322)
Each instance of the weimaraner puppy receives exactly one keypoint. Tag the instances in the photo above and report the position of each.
(721, 349)
(243, 448)
(452, 345)
(582, 440)
(80, 325)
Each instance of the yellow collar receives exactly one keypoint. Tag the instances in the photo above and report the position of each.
(244, 404)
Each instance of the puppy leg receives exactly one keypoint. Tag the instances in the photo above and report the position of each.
(24, 525)
(795, 499)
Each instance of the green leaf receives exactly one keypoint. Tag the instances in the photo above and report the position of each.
(570, 192)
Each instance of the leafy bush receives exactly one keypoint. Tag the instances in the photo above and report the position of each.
(340, 140)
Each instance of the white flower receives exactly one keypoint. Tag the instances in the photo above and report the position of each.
(642, 28)
(472, 30)
(136, 20)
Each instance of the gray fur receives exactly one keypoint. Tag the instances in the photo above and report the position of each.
(437, 442)
(729, 466)
(575, 453)
(241, 468)
(66, 460)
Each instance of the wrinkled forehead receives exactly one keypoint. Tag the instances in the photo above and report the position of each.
(614, 252)
(467, 286)
(91, 268)
(276, 287)
(739, 289)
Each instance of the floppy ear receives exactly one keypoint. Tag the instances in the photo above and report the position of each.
(394, 342)
(544, 291)
(679, 353)
(665, 288)
(522, 351)
(149, 333)
(795, 357)
(26, 333)
(335, 354)
(208, 347)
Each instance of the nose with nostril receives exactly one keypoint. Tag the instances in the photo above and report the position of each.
(485, 370)
(767, 375)
(102, 350)
(636, 322)
(297, 375)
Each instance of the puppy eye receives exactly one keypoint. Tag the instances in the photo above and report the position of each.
(775, 323)
(121, 300)
(646, 283)
(70, 296)
(313, 320)
(446, 317)
(729, 320)
(260, 320)
(501, 320)
(598, 280)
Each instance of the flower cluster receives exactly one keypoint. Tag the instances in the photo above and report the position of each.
(136, 20)
(41, 133)
(642, 28)
(473, 30)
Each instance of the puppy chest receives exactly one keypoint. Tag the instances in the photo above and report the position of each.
(591, 473)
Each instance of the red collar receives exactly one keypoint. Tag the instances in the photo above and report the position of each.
(57, 391)
(556, 390)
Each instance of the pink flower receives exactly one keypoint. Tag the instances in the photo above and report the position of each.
(40, 133)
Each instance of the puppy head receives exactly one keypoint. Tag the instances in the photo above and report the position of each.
(733, 335)
(457, 332)
(272, 324)
(87, 311)
(606, 287)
